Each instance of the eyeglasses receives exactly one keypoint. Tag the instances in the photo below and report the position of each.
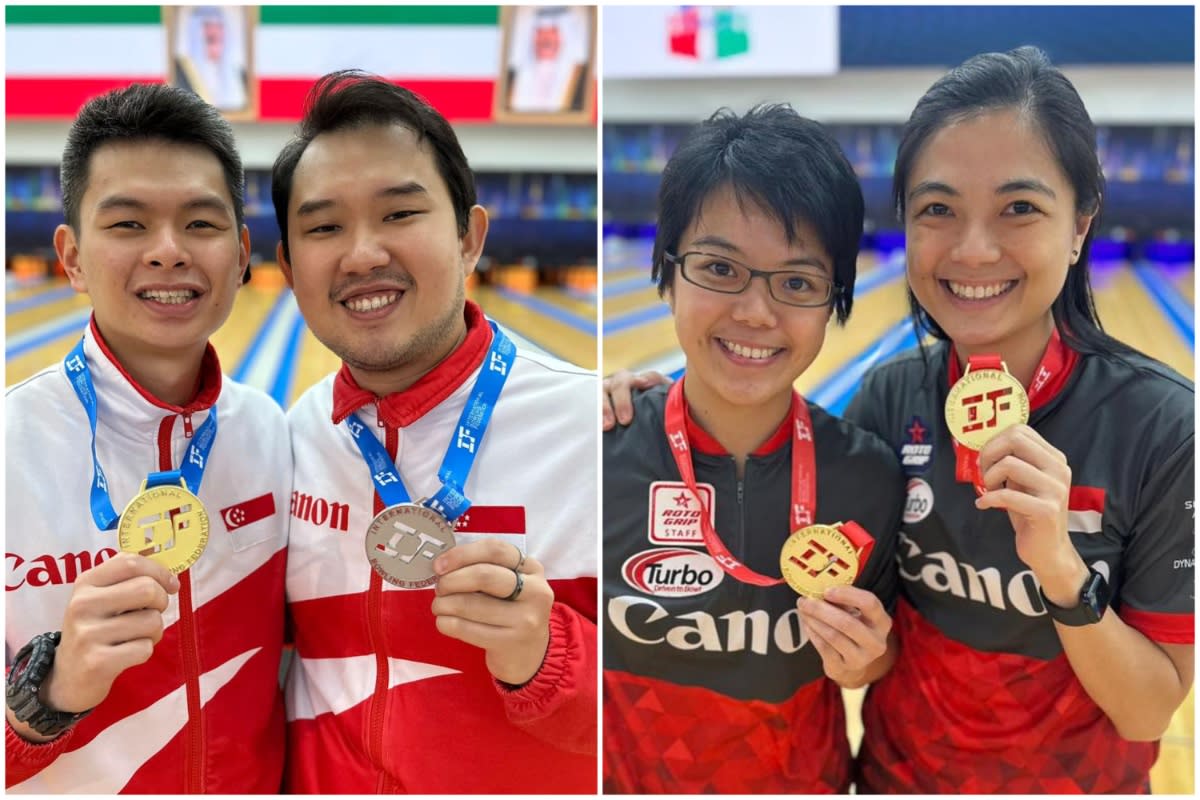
(727, 276)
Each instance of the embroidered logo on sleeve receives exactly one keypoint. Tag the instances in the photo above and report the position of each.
(248, 512)
(675, 515)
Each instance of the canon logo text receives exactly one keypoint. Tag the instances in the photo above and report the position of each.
(645, 621)
(320, 511)
(51, 570)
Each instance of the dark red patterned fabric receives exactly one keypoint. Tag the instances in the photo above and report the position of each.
(663, 737)
(952, 719)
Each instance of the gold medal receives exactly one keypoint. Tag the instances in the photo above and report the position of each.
(167, 524)
(818, 557)
(983, 403)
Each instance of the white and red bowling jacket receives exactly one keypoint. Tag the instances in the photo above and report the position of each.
(378, 700)
(205, 713)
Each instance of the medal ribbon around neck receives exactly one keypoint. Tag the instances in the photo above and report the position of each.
(1057, 362)
(449, 501)
(194, 460)
(804, 480)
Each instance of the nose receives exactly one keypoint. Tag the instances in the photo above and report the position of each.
(366, 252)
(167, 249)
(754, 306)
(977, 246)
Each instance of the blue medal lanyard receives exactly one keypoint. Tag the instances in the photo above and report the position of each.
(449, 501)
(192, 470)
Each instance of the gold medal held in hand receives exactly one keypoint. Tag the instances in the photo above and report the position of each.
(818, 557)
(984, 402)
(167, 524)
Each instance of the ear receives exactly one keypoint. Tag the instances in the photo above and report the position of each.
(66, 246)
(244, 256)
(284, 266)
(1083, 223)
(472, 242)
(669, 295)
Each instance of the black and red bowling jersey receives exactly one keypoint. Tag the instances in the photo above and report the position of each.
(982, 698)
(710, 684)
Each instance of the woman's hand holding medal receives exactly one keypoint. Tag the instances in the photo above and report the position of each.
(1030, 479)
(490, 595)
(113, 621)
(850, 629)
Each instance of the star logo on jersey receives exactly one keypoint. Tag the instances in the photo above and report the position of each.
(915, 452)
(674, 516)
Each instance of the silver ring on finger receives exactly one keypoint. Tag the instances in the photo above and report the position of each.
(520, 559)
(516, 592)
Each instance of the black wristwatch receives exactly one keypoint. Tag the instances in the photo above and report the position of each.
(29, 670)
(1093, 600)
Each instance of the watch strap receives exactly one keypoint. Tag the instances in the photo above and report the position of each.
(29, 670)
(1093, 601)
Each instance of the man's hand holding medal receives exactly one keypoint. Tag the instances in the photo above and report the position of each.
(490, 595)
(113, 621)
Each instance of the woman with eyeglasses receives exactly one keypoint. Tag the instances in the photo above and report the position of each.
(717, 678)
(1045, 620)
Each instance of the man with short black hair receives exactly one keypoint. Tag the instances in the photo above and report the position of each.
(152, 670)
(445, 637)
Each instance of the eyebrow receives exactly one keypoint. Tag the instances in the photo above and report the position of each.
(407, 189)
(717, 241)
(1016, 185)
(122, 201)
(1027, 185)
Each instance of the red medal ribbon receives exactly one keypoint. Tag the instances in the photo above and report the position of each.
(1048, 379)
(804, 485)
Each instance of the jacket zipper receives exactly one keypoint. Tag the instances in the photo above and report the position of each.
(375, 729)
(194, 741)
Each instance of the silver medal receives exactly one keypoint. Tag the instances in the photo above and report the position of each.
(402, 542)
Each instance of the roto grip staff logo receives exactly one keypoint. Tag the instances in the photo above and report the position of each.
(672, 572)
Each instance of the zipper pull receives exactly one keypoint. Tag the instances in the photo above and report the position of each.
(187, 426)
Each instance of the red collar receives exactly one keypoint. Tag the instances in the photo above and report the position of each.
(703, 442)
(208, 382)
(1057, 363)
(400, 409)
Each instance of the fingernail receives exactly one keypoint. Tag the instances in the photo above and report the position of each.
(439, 565)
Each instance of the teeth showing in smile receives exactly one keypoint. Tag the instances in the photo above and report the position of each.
(979, 292)
(755, 353)
(372, 302)
(171, 297)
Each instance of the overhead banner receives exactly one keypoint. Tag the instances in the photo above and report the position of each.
(252, 62)
(719, 41)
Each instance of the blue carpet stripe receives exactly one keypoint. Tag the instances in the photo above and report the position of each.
(247, 362)
(636, 317)
(71, 324)
(627, 285)
(548, 310)
(285, 378)
(1172, 305)
(834, 394)
(36, 301)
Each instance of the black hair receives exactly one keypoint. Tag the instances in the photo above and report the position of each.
(147, 112)
(1022, 79)
(350, 99)
(788, 165)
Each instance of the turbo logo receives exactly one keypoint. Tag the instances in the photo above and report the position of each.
(672, 572)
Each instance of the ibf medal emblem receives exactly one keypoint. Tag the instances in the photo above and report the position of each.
(816, 558)
(983, 403)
